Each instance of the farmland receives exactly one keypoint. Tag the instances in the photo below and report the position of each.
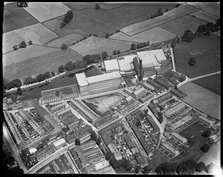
(41, 64)
(202, 99)
(205, 16)
(208, 61)
(180, 25)
(212, 83)
(23, 54)
(96, 45)
(37, 33)
(16, 18)
(154, 35)
(45, 11)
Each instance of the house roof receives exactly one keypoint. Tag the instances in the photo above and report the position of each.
(103, 77)
(81, 79)
(125, 62)
(111, 65)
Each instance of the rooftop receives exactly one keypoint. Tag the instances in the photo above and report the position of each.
(103, 77)
(81, 79)
(111, 65)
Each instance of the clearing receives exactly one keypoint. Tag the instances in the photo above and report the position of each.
(37, 33)
(43, 11)
(154, 35)
(41, 64)
(96, 45)
(212, 83)
(23, 54)
(202, 99)
(209, 62)
(180, 25)
(15, 18)
(103, 103)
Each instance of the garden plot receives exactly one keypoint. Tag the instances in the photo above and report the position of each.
(180, 25)
(37, 33)
(44, 11)
(205, 16)
(202, 99)
(167, 17)
(96, 45)
(103, 103)
(23, 54)
(154, 35)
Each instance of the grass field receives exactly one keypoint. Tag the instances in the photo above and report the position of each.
(212, 83)
(43, 11)
(96, 45)
(37, 33)
(167, 17)
(205, 64)
(103, 103)
(153, 35)
(202, 99)
(15, 18)
(49, 62)
(24, 54)
(205, 16)
(180, 25)
(68, 39)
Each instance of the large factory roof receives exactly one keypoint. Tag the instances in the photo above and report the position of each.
(81, 79)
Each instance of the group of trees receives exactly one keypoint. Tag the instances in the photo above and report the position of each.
(139, 45)
(13, 84)
(115, 52)
(107, 35)
(22, 45)
(187, 167)
(117, 164)
(68, 17)
(71, 66)
(97, 6)
(96, 138)
(192, 61)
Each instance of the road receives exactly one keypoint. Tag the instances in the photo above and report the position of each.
(173, 62)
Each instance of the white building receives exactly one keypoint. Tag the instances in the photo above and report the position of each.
(179, 137)
(59, 143)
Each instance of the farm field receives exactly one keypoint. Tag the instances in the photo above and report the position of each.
(202, 99)
(180, 25)
(41, 64)
(68, 40)
(15, 18)
(103, 103)
(37, 33)
(45, 11)
(205, 16)
(96, 45)
(24, 54)
(212, 83)
(154, 35)
(167, 17)
(208, 61)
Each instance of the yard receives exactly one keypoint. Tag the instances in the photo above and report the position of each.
(202, 99)
(39, 65)
(103, 103)
(15, 18)
(206, 63)
(212, 83)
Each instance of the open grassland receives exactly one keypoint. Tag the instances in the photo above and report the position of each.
(49, 62)
(68, 40)
(209, 7)
(24, 54)
(154, 35)
(15, 18)
(96, 45)
(205, 16)
(180, 25)
(206, 63)
(212, 83)
(202, 99)
(43, 11)
(37, 33)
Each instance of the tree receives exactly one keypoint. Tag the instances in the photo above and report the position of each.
(205, 148)
(159, 12)
(93, 136)
(79, 64)
(40, 77)
(177, 5)
(63, 47)
(200, 166)
(188, 36)
(166, 10)
(146, 169)
(192, 61)
(47, 75)
(212, 27)
(104, 55)
(138, 123)
(203, 29)
(98, 141)
(61, 69)
(68, 17)
(118, 51)
(206, 134)
(95, 58)
(137, 168)
(77, 142)
(133, 47)
(114, 52)
(147, 43)
(97, 6)
(52, 73)
(115, 163)
(15, 47)
(69, 66)
(22, 44)
(173, 168)
(16, 83)
(160, 117)
(62, 24)
(9, 86)
(30, 42)
(107, 35)
(108, 155)
(182, 168)
(126, 164)
(152, 16)
(19, 91)
(217, 24)
(191, 165)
